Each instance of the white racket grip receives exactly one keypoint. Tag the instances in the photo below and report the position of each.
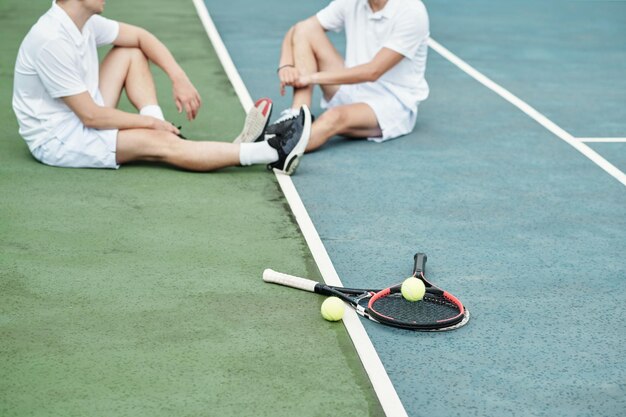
(269, 275)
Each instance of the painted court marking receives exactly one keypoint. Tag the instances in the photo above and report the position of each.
(530, 111)
(601, 140)
(385, 391)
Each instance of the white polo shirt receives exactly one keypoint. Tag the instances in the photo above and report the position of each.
(402, 26)
(56, 60)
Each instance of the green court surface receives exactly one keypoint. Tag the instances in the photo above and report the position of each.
(138, 292)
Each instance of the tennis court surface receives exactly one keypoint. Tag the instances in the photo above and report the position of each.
(139, 292)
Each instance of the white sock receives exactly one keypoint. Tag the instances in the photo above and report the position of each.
(257, 153)
(152, 110)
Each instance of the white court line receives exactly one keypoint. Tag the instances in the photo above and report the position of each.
(530, 111)
(374, 367)
(601, 140)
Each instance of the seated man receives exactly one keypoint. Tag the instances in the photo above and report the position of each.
(65, 101)
(375, 92)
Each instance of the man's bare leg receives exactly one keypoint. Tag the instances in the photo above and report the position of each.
(127, 68)
(354, 120)
(312, 52)
(161, 146)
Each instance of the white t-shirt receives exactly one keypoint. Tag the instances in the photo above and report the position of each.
(56, 60)
(402, 26)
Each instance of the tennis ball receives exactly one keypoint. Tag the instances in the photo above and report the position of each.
(413, 289)
(333, 309)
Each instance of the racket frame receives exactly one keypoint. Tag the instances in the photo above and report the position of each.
(354, 296)
(435, 293)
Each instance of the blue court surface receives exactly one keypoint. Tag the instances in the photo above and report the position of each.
(526, 229)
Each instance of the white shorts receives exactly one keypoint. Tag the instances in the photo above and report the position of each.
(394, 118)
(82, 147)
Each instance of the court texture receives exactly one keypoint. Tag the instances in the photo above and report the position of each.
(138, 292)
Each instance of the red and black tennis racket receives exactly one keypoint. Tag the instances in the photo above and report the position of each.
(437, 311)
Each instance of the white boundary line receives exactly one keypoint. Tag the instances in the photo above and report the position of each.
(223, 55)
(601, 140)
(530, 111)
(374, 367)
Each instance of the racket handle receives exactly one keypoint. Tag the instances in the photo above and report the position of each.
(269, 275)
(420, 263)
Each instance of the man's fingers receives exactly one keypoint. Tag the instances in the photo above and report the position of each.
(195, 100)
(169, 127)
(166, 126)
(294, 75)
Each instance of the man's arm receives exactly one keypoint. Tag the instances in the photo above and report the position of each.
(384, 60)
(288, 74)
(186, 96)
(286, 52)
(97, 117)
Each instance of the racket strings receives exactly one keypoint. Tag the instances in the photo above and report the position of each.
(430, 310)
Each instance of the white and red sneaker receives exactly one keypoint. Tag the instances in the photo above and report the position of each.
(256, 122)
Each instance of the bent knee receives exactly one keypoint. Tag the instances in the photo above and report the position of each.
(336, 117)
(306, 29)
(299, 31)
(129, 53)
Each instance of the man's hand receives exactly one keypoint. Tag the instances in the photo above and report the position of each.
(95, 116)
(288, 76)
(303, 81)
(158, 124)
(186, 97)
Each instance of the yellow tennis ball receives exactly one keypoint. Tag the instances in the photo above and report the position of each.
(413, 289)
(333, 309)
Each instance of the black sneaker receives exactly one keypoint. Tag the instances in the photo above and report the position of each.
(281, 125)
(285, 120)
(292, 142)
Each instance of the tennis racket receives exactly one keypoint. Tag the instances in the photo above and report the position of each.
(437, 311)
